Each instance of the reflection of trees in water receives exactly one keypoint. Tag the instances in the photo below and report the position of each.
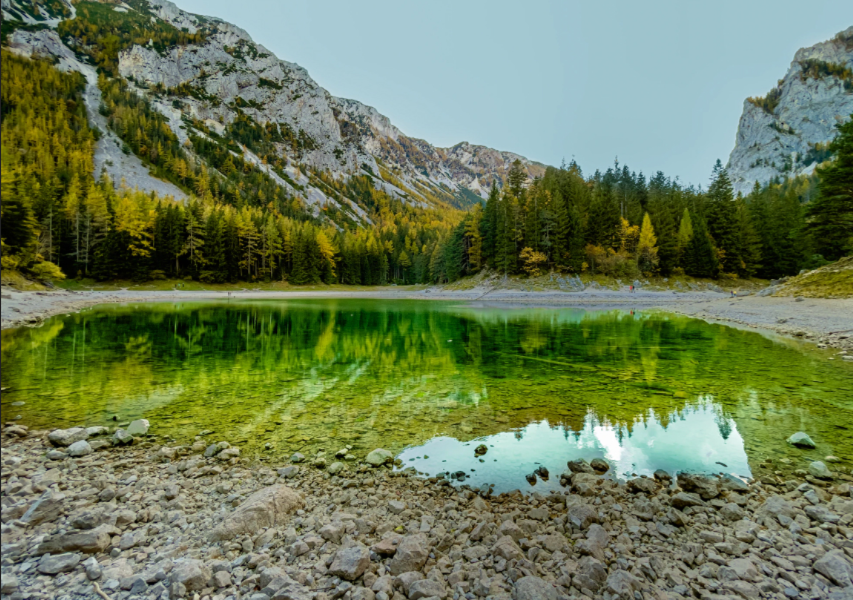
(386, 370)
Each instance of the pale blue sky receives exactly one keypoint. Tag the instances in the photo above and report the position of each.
(660, 84)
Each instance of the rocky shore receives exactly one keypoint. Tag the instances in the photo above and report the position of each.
(93, 513)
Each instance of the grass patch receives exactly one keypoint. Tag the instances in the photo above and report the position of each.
(831, 281)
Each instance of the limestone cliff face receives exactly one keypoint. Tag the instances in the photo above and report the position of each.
(344, 136)
(785, 132)
(229, 75)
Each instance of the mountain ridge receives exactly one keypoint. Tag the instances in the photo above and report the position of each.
(785, 133)
(203, 88)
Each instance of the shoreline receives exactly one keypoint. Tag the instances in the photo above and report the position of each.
(136, 518)
(827, 323)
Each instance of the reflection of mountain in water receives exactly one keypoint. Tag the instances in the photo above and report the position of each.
(691, 440)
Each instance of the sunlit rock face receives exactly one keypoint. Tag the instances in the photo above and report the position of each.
(783, 137)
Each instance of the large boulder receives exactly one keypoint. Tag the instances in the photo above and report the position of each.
(90, 542)
(269, 507)
(66, 437)
(350, 563)
(412, 553)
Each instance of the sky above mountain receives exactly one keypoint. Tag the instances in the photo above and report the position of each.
(661, 85)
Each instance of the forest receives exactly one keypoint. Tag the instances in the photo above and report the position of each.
(60, 220)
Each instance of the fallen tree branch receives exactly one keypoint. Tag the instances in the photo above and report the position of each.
(99, 591)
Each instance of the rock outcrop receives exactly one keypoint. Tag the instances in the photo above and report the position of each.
(786, 132)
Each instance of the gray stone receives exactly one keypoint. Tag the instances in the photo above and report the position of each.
(426, 588)
(47, 508)
(533, 588)
(683, 500)
(582, 515)
(412, 553)
(733, 484)
(191, 573)
(66, 437)
(268, 507)
(221, 579)
(297, 457)
(79, 448)
(596, 541)
(122, 438)
(590, 574)
(579, 466)
(599, 465)
(139, 427)
(706, 487)
(819, 469)
(835, 566)
(90, 542)
(642, 485)
(350, 563)
(622, 584)
(51, 564)
(506, 548)
(801, 440)
(288, 472)
(335, 468)
(97, 430)
(379, 457)
(396, 506)
(8, 583)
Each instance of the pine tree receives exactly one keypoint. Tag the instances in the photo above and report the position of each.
(489, 226)
(830, 215)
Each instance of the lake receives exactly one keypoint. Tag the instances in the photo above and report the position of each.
(430, 381)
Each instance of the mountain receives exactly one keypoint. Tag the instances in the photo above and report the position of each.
(786, 132)
(211, 81)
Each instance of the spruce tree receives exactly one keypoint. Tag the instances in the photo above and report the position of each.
(722, 219)
(700, 256)
(830, 215)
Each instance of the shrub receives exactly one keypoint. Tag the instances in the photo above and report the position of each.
(47, 271)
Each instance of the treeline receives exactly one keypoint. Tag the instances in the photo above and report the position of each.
(619, 224)
(238, 226)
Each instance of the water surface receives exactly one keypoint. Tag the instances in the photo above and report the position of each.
(432, 380)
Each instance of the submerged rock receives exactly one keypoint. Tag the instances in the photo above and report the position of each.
(801, 440)
(481, 450)
(819, 470)
(122, 438)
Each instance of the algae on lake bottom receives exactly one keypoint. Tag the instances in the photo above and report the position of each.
(317, 375)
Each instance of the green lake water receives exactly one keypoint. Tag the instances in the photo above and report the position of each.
(432, 380)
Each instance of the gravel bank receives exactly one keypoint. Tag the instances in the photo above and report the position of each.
(85, 518)
(827, 323)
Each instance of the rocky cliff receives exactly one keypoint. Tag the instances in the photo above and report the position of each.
(228, 76)
(785, 133)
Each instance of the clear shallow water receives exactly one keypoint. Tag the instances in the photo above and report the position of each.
(432, 380)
